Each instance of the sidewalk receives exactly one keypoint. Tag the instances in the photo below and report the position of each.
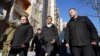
(29, 54)
(0, 54)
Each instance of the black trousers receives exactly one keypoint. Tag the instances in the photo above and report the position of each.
(82, 51)
(96, 50)
(20, 51)
(40, 52)
(63, 50)
(99, 50)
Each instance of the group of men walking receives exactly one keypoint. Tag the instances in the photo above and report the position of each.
(79, 34)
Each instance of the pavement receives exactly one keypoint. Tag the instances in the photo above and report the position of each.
(29, 54)
(0, 54)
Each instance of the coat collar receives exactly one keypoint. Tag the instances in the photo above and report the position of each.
(49, 27)
(76, 19)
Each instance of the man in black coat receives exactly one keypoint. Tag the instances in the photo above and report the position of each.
(98, 46)
(39, 43)
(80, 34)
(21, 38)
(50, 34)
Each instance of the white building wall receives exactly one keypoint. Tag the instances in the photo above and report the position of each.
(51, 9)
(61, 24)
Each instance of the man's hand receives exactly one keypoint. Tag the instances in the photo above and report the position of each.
(93, 43)
(67, 45)
(23, 45)
(53, 41)
(9, 45)
(30, 49)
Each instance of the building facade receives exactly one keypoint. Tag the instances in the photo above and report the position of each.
(51, 8)
(11, 13)
(36, 13)
(19, 9)
(57, 18)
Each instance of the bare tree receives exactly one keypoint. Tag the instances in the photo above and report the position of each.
(95, 4)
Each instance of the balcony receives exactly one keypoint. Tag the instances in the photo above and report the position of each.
(24, 4)
(20, 10)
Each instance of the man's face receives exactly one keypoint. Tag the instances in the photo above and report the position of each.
(49, 20)
(72, 13)
(39, 31)
(23, 20)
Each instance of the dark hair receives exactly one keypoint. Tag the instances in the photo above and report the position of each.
(39, 29)
(72, 9)
(49, 16)
(26, 18)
